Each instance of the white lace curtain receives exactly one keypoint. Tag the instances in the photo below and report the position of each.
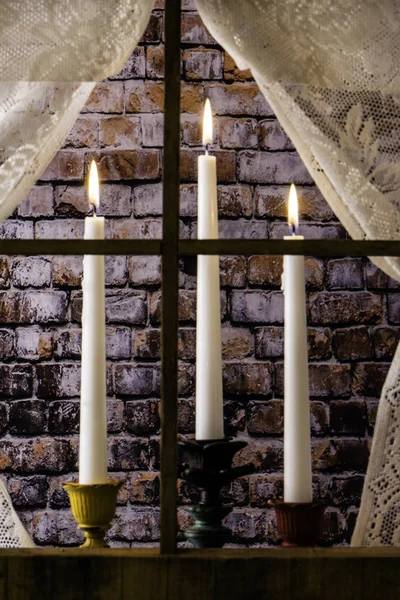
(330, 70)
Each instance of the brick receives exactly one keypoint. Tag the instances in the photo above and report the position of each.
(4, 272)
(192, 130)
(155, 62)
(16, 381)
(144, 270)
(67, 271)
(152, 130)
(186, 376)
(142, 416)
(147, 200)
(71, 201)
(394, 308)
(3, 417)
(232, 271)
(193, 30)
(84, 134)
(264, 488)
(145, 488)
(276, 167)
(115, 200)
(107, 97)
(187, 306)
(372, 410)
(257, 307)
(39, 455)
(56, 528)
(123, 165)
(28, 492)
(352, 343)
(319, 418)
(186, 415)
(234, 417)
(345, 274)
(115, 416)
(64, 417)
(134, 68)
(319, 344)
(31, 271)
(147, 343)
(377, 279)
(192, 97)
(32, 343)
(232, 71)
(273, 137)
(241, 229)
(346, 490)
(247, 379)
(226, 165)
(368, 379)
(345, 308)
(136, 380)
(238, 133)
(333, 527)
(269, 343)
(58, 380)
(28, 417)
(311, 231)
(187, 344)
(238, 99)
(347, 417)
(33, 307)
(122, 306)
(329, 380)
(138, 525)
(37, 203)
(16, 230)
(202, 63)
(7, 344)
(116, 273)
(154, 29)
(142, 229)
(265, 270)
(384, 342)
(237, 493)
(236, 343)
(67, 229)
(252, 525)
(271, 202)
(128, 454)
(121, 131)
(118, 342)
(67, 165)
(234, 201)
(265, 418)
(67, 343)
(340, 453)
(144, 96)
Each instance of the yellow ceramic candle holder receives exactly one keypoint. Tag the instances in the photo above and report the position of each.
(93, 507)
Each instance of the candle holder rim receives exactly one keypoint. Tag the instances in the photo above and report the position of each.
(76, 485)
(280, 503)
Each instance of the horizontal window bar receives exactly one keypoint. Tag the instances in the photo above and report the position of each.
(326, 248)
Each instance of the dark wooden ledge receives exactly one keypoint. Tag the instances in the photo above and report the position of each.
(142, 574)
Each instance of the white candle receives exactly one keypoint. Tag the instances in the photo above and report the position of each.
(209, 404)
(93, 420)
(297, 443)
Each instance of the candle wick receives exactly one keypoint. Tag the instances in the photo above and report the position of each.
(207, 146)
(94, 210)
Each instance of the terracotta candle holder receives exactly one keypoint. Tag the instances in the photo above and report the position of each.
(298, 524)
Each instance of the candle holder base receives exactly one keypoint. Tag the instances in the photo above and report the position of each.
(208, 465)
(299, 524)
(93, 507)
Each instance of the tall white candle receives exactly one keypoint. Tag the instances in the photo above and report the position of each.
(209, 404)
(93, 420)
(297, 444)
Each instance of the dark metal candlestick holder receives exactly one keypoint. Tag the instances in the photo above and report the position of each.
(298, 524)
(208, 466)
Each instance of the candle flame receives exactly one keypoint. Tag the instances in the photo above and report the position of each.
(207, 124)
(94, 185)
(293, 209)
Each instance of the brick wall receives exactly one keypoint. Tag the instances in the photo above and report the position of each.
(353, 311)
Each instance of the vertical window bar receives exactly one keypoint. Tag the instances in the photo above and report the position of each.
(170, 277)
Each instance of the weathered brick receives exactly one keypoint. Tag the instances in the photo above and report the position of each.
(152, 130)
(125, 453)
(232, 271)
(138, 525)
(202, 63)
(134, 68)
(192, 130)
(57, 528)
(319, 418)
(122, 131)
(237, 493)
(372, 410)
(276, 167)
(3, 417)
(58, 380)
(368, 379)
(39, 455)
(84, 134)
(269, 343)
(247, 378)
(67, 271)
(384, 342)
(352, 343)
(319, 344)
(187, 306)
(145, 488)
(345, 274)
(271, 202)
(273, 137)
(264, 488)
(340, 453)
(32, 343)
(28, 492)
(311, 231)
(142, 416)
(236, 343)
(68, 229)
(136, 380)
(193, 30)
(64, 417)
(28, 417)
(243, 229)
(347, 417)
(58, 497)
(192, 97)
(257, 307)
(333, 526)
(32, 271)
(252, 525)
(116, 273)
(377, 279)
(265, 418)
(345, 308)
(186, 415)
(147, 200)
(122, 306)
(265, 270)
(67, 165)
(346, 490)
(147, 343)
(144, 96)
(155, 62)
(142, 229)
(7, 344)
(107, 97)
(71, 201)
(238, 99)
(187, 344)
(144, 270)
(226, 165)
(238, 133)
(232, 71)
(37, 203)
(154, 28)
(16, 230)
(394, 308)
(234, 417)
(16, 381)
(4, 272)
(122, 165)
(329, 380)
